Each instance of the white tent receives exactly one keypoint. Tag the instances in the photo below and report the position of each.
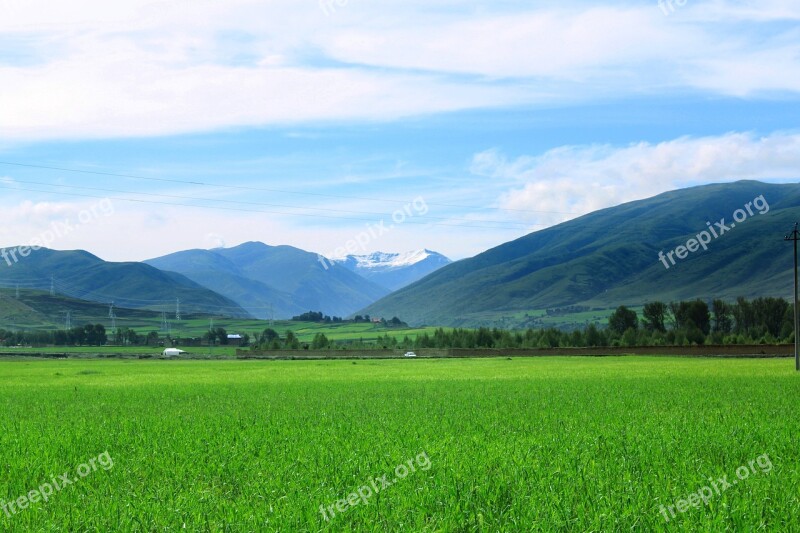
(171, 352)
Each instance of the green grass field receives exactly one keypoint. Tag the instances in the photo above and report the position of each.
(544, 444)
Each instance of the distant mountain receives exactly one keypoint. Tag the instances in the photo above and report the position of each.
(611, 257)
(279, 281)
(395, 271)
(81, 275)
(219, 274)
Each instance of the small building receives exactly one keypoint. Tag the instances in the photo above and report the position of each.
(172, 352)
(234, 339)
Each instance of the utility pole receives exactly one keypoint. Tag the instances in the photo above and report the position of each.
(794, 236)
(52, 286)
(178, 309)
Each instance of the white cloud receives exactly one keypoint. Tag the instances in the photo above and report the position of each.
(215, 240)
(582, 179)
(64, 100)
(138, 67)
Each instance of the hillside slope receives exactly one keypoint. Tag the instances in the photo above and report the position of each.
(610, 257)
(81, 275)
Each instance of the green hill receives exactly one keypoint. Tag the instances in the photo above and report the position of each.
(610, 257)
(83, 276)
(35, 309)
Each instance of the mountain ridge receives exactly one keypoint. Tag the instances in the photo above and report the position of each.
(281, 281)
(609, 257)
(82, 275)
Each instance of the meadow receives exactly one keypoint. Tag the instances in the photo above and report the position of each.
(537, 444)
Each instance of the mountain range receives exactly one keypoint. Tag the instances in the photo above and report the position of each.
(252, 279)
(710, 241)
(275, 281)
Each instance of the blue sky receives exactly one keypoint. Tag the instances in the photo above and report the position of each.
(307, 123)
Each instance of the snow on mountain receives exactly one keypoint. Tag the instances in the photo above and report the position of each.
(395, 270)
(384, 261)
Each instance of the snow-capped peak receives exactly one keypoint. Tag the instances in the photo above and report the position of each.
(394, 270)
(387, 261)
(390, 260)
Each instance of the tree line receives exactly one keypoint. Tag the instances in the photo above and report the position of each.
(683, 323)
(318, 316)
(88, 335)
(694, 322)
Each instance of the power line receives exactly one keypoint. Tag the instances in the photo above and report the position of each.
(242, 202)
(420, 223)
(265, 189)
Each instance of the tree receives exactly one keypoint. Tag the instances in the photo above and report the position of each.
(723, 316)
(267, 336)
(622, 320)
(653, 316)
(95, 334)
(692, 314)
(310, 316)
(629, 337)
(484, 338)
(743, 315)
(152, 338)
(292, 342)
(222, 335)
(769, 313)
(320, 342)
(593, 336)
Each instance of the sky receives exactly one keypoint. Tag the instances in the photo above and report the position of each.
(134, 128)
